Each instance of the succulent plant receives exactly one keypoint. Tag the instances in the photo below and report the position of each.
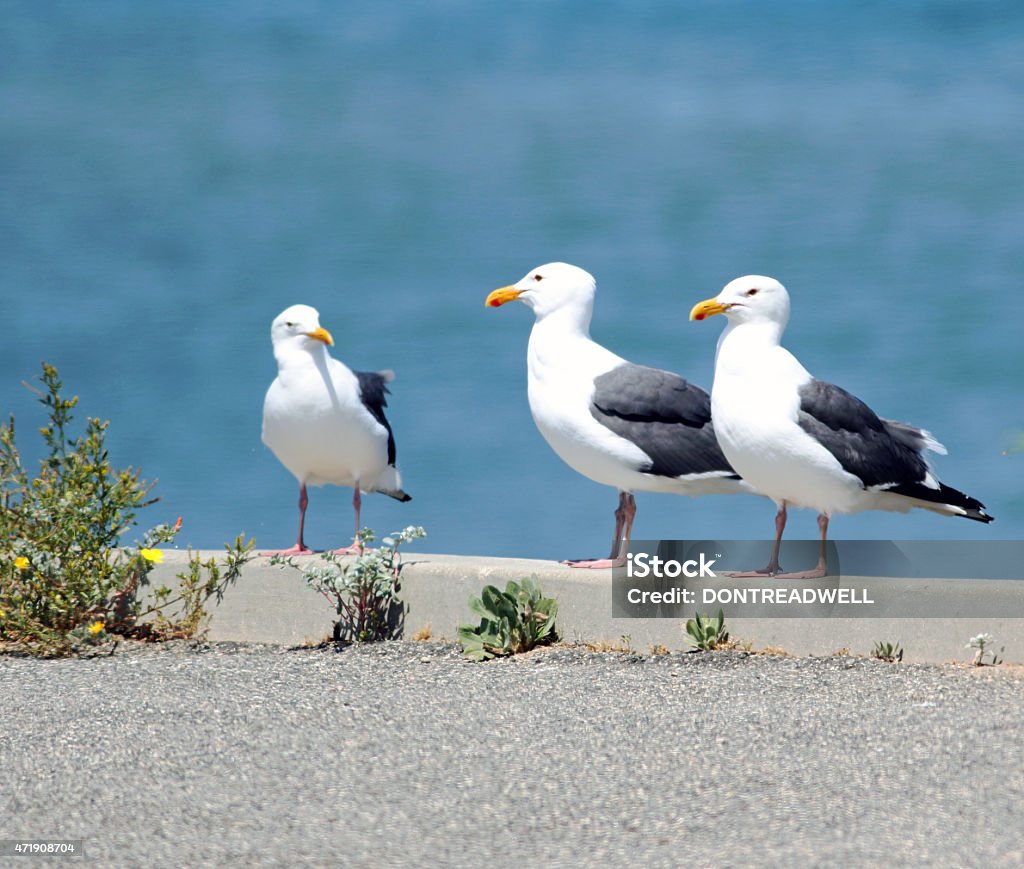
(889, 652)
(511, 621)
(706, 633)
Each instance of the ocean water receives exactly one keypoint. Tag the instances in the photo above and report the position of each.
(174, 175)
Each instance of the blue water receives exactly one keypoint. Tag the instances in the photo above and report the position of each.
(174, 175)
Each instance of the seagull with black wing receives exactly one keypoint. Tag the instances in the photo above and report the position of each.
(325, 422)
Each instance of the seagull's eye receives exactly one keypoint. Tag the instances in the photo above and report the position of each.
(751, 292)
(538, 277)
(290, 324)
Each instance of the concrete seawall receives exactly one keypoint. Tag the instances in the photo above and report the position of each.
(272, 604)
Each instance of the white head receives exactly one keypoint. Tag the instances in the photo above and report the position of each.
(750, 299)
(549, 288)
(298, 328)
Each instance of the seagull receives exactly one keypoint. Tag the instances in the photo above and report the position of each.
(623, 425)
(325, 422)
(804, 442)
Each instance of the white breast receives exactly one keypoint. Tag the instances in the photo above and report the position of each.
(561, 375)
(317, 426)
(755, 405)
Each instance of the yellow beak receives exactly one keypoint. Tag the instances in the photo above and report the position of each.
(500, 296)
(321, 334)
(707, 308)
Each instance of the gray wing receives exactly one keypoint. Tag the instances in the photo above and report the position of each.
(372, 391)
(664, 415)
(882, 454)
(876, 452)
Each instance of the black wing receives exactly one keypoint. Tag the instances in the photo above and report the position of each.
(372, 391)
(663, 414)
(878, 451)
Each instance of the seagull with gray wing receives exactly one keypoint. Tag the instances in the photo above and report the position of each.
(627, 426)
(805, 442)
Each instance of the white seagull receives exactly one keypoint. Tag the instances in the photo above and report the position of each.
(805, 442)
(325, 422)
(623, 425)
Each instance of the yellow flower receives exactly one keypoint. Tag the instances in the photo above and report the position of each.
(21, 562)
(154, 556)
(95, 628)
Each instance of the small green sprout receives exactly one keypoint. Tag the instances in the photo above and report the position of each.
(981, 644)
(706, 633)
(891, 653)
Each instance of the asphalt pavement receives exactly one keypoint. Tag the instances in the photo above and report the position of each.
(402, 754)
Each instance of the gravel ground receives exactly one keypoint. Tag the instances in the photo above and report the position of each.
(401, 754)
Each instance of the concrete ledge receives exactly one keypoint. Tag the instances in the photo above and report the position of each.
(272, 604)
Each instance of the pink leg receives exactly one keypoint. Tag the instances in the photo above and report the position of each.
(620, 521)
(628, 533)
(780, 526)
(624, 515)
(822, 567)
(300, 547)
(357, 504)
(772, 568)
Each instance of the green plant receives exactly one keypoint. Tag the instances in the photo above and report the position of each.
(205, 580)
(705, 633)
(66, 583)
(511, 621)
(891, 653)
(363, 591)
(981, 643)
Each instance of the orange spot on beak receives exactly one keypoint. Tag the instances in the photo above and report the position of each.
(707, 308)
(500, 296)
